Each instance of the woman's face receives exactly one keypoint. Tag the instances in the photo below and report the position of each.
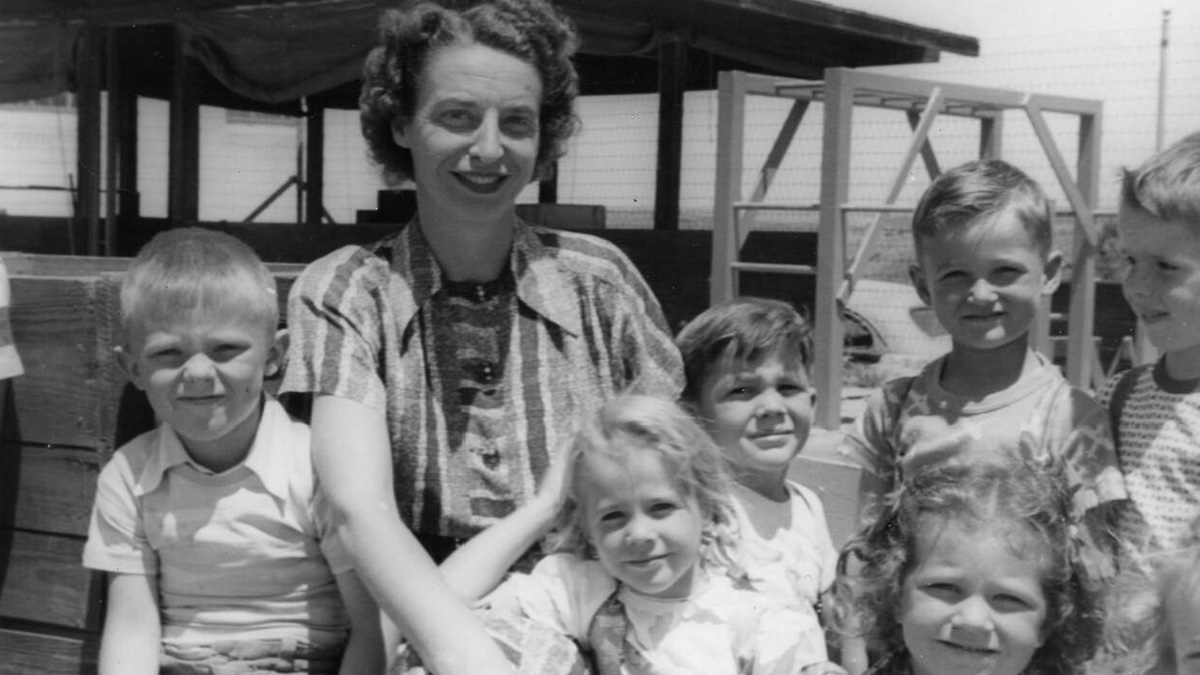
(474, 132)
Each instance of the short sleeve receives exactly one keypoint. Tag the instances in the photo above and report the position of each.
(336, 311)
(562, 593)
(649, 356)
(1083, 440)
(786, 640)
(869, 443)
(116, 537)
(10, 361)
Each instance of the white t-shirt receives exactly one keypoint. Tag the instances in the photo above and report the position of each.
(797, 563)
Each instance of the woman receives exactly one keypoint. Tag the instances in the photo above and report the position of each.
(452, 359)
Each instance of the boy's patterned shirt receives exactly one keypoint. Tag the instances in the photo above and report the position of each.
(370, 324)
(1159, 438)
(1041, 418)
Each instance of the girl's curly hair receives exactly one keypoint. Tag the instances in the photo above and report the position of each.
(531, 30)
(636, 423)
(874, 565)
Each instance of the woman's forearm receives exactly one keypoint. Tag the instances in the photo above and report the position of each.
(352, 455)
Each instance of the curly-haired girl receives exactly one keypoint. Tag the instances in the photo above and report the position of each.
(972, 569)
(644, 575)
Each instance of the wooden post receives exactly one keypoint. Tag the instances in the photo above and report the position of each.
(828, 331)
(548, 188)
(731, 116)
(183, 180)
(1082, 318)
(672, 80)
(314, 167)
(991, 135)
(90, 71)
(128, 201)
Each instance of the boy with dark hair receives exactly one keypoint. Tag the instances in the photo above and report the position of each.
(747, 362)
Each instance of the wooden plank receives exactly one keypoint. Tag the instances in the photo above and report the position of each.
(47, 490)
(63, 329)
(44, 581)
(23, 651)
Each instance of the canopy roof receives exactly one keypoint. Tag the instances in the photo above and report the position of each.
(269, 53)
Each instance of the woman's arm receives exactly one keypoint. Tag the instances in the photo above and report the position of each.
(132, 628)
(353, 458)
(365, 652)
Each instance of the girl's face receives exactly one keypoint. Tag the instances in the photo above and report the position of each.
(973, 604)
(644, 527)
(1183, 616)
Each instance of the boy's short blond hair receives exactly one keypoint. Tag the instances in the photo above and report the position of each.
(1167, 185)
(189, 271)
(977, 190)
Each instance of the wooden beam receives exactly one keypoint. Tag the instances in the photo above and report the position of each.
(90, 72)
(128, 201)
(828, 332)
(672, 75)
(183, 182)
(731, 123)
(314, 166)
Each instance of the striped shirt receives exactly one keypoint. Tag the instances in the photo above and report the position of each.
(474, 424)
(1159, 449)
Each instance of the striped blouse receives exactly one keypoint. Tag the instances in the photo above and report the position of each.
(476, 406)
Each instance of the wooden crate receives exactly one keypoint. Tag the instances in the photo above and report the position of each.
(62, 420)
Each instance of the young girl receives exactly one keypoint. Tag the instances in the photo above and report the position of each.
(643, 573)
(971, 569)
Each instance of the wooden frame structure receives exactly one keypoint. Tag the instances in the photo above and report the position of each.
(922, 101)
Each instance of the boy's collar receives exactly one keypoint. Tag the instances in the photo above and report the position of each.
(267, 456)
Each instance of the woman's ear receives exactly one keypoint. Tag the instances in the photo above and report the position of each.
(400, 134)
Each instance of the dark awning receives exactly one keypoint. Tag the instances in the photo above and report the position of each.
(275, 51)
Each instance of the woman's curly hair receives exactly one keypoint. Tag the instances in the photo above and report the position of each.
(531, 30)
(635, 423)
(875, 563)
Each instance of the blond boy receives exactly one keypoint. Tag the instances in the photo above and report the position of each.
(1156, 407)
(210, 527)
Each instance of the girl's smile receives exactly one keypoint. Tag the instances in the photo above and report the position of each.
(645, 529)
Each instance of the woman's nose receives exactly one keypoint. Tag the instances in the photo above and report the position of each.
(486, 146)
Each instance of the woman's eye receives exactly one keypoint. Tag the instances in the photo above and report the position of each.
(520, 125)
(458, 119)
